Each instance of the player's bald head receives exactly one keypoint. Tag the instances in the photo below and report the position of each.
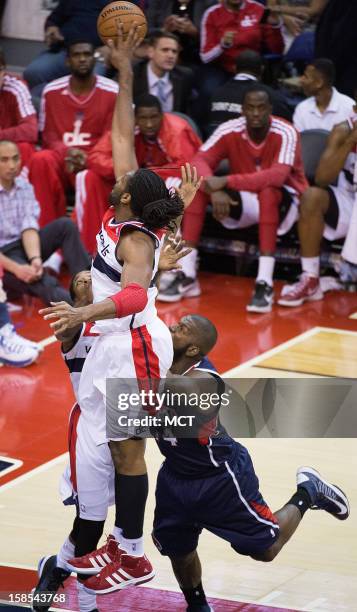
(193, 337)
(204, 333)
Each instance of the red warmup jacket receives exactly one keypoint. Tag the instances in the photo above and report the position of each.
(18, 119)
(275, 162)
(68, 121)
(176, 144)
(249, 33)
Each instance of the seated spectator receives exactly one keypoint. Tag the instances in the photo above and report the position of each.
(230, 27)
(160, 75)
(325, 106)
(14, 349)
(226, 102)
(23, 247)
(264, 186)
(75, 112)
(163, 142)
(227, 29)
(327, 211)
(69, 21)
(299, 17)
(182, 18)
(18, 119)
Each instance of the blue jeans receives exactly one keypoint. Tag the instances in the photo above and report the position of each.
(51, 65)
(302, 48)
(4, 315)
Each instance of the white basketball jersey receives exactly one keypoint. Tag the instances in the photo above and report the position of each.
(347, 178)
(76, 356)
(106, 273)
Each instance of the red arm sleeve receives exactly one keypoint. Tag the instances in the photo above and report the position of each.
(130, 300)
(25, 131)
(210, 41)
(257, 181)
(210, 154)
(272, 38)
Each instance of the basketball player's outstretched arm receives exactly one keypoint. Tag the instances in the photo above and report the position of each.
(123, 127)
(340, 143)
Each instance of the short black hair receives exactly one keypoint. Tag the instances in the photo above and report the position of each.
(257, 88)
(77, 41)
(326, 68)
(148, 101)
(2, 57)
(156, 35)
(251, 62)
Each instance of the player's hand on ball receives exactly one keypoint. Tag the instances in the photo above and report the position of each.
(173, 251)
(122, 48)
(67, 316)
(190, 184)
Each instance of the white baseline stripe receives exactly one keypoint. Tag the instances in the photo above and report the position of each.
(46, 341)
(41, 468)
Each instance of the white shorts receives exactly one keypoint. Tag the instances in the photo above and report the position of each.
(250, 212)
(145, 352)
(89, 478)
(344, 200)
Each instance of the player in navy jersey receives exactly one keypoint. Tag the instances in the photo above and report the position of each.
(210, 482)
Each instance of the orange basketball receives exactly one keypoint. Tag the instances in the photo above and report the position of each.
(120, 12)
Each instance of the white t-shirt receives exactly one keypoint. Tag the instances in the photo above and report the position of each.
(307, 115)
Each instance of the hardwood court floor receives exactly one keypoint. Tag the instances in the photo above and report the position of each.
(316, 571)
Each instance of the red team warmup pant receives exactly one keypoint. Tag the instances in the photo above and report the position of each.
(50, 179)
(92, 200)
(269, 201)
(26, 152)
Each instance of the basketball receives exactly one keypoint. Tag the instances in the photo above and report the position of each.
(115, 13)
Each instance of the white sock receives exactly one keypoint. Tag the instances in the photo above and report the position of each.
(65, 554)
(54, 261)
(189, 264)
(311, 265)
(266, 269)
(135, 548)
(117, 533)
(87, 601)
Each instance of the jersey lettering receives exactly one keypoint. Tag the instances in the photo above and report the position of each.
(76, 138)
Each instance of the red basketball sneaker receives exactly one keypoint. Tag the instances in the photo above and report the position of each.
(307, 289)
(124, 571)
(94, 562)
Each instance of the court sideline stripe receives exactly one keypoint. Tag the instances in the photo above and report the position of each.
(37, 470)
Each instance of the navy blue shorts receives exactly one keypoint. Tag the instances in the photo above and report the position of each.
(228, 504)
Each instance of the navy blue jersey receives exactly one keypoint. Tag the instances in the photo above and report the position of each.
(206, 454)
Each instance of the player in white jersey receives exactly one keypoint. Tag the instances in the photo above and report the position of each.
(133, 342)
(88, 480)
(328, 211)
